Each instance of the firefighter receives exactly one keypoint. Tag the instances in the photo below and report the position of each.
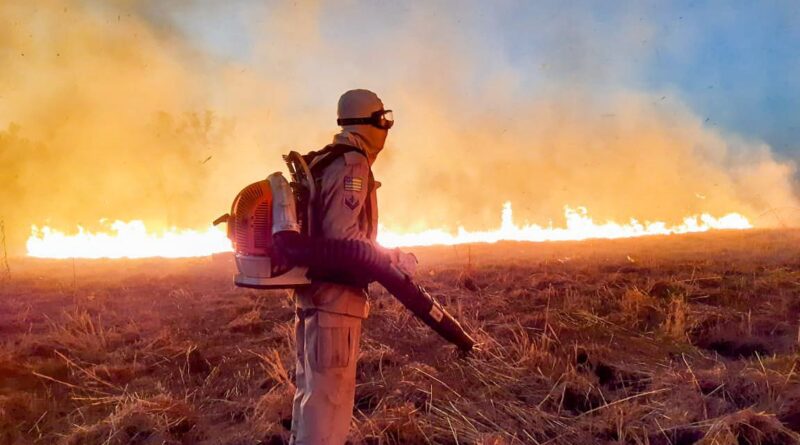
(331, 309)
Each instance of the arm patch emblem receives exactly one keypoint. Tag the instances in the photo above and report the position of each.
(352, 184)
(351, 202)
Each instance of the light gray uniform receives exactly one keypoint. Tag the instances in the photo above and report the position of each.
(328, 326)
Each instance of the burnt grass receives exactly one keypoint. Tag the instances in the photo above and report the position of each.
(665, 340)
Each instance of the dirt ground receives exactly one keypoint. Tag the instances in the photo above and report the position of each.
(665, 340)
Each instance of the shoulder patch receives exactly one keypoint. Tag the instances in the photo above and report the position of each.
(353, 184)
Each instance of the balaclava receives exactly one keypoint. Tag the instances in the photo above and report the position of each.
(361, 103)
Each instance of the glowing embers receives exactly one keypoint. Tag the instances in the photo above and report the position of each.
(579, 226)
(133, 240)
(126, 240)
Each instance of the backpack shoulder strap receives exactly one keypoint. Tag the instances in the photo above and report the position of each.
(318, 161)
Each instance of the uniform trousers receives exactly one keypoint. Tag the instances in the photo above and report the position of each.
(327, 351)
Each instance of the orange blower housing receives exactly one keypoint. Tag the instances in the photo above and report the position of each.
(250, 221)
(250, 229)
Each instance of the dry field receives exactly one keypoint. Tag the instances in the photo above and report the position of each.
(665, 340)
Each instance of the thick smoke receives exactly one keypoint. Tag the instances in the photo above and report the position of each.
(123, 111)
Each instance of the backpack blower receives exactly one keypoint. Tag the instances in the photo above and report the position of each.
(269, 227)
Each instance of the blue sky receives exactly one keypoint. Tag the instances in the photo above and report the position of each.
(735, 63)
(740, 66)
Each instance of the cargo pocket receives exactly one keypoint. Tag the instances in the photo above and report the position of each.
(335, 341)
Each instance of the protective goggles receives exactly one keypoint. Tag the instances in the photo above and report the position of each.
(382, 119)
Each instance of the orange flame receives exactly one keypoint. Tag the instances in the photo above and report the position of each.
(579, 226)
(126, 240)
(133, 240)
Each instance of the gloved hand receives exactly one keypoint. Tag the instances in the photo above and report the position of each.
(405, 261)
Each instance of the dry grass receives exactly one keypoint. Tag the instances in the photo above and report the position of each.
(672, 340)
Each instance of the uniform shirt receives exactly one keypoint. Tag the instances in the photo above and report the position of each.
(347, 209)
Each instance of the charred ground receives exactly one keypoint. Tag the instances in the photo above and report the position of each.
(664, 340)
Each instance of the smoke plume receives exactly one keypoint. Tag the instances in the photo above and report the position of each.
(126, 110)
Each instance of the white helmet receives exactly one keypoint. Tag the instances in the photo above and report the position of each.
(361, 113)
(363, 107)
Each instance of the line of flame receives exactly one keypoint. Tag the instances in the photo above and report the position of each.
(133, 240)
(579, 226)
(126, 240)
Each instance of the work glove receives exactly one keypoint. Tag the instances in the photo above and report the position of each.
(405, 261)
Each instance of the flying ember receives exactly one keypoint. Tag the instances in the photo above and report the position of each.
(133, 240)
